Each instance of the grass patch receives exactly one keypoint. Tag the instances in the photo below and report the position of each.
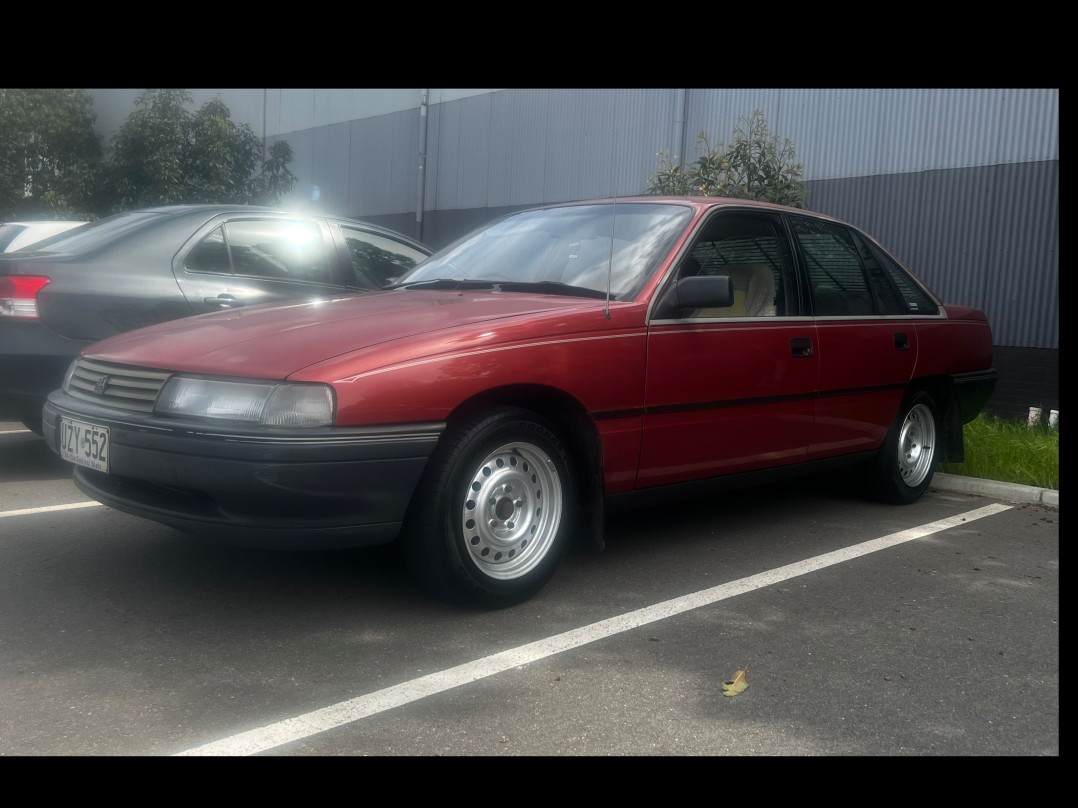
(1011, 451)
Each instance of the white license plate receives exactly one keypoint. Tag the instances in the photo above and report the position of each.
(84, 444)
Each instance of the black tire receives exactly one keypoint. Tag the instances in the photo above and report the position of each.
(910, 454)
(32, 422)
(491, 519)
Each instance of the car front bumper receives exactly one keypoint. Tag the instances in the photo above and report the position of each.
(291, 489)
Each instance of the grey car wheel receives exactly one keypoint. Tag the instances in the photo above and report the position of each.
(493, 515)
(910, 453)
(512, 510)
(916, 445)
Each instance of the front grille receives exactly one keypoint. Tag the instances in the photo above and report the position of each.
(117, 386)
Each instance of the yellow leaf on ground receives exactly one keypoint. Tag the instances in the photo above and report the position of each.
(736, 684)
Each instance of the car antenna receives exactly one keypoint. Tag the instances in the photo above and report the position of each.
(610, 263)
(614, 210)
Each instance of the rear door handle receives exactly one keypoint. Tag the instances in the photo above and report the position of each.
(801, 346)
(224, 301)
(902, 342)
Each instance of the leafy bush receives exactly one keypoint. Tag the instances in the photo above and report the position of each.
(52, 164)
(756, 165)
(50, 154)
(164, 154)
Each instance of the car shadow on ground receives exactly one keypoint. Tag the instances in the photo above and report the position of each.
(24, 457)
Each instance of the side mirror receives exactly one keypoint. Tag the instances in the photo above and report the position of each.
(695, 292)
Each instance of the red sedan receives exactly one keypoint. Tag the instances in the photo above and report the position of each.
(488, 407)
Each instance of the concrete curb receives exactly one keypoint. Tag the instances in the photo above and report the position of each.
(994, 488)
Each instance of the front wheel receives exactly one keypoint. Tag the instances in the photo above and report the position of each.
(31, 419)
(910, 453)
(490, 522)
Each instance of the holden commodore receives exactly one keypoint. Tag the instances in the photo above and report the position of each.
(494, 402)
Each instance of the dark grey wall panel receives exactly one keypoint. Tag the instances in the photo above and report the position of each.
(383, 173)
(985, 237)
(302, 165)
(516, 149)
(1028, 377)
(581, 136)
(526, 147)
(1022, 290)
(331, 153)
(854, 132)
(458, 147)
(644, 121)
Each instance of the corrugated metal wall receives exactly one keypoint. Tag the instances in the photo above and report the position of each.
(985, 237)
(866, 132)
(962, 184)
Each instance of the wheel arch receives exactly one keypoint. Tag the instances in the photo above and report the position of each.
(574, 425)
(942, 390)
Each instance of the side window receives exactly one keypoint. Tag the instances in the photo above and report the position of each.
(210, 255)
(752, 251)
(377, 260)
(836, 275)
(913, 299)
(280, 249)
(884, 293)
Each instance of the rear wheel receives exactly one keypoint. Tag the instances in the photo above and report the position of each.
(910, 454)
(490, 522)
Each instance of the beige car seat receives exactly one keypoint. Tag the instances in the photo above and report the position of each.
(754, 292)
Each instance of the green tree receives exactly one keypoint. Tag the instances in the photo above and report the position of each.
(756, 165)
(164, 154)
(275, 180)
(50, 155)
(148, 153)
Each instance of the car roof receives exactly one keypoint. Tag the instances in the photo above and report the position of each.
(209, 210)
(698, 203)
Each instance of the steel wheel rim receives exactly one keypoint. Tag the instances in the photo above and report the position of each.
(512, 510)
(916, 445)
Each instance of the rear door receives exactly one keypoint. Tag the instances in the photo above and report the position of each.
(867, 338)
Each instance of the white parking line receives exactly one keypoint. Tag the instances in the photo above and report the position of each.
(345, 712)
(47, 508)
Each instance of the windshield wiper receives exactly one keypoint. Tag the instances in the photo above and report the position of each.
(551, 288)
(539, 287)
(435, 283)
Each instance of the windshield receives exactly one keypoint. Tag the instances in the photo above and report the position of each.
(568, 246)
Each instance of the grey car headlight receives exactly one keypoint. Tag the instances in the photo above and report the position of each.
(264, 403)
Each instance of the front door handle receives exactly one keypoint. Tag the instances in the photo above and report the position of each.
(224, 301)
(902, 341)
(801, 347)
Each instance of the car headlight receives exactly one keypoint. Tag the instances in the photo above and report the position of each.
(264, 403)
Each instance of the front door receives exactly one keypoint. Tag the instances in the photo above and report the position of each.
(731, 389)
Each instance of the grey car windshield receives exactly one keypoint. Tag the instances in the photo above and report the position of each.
(582, 246)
